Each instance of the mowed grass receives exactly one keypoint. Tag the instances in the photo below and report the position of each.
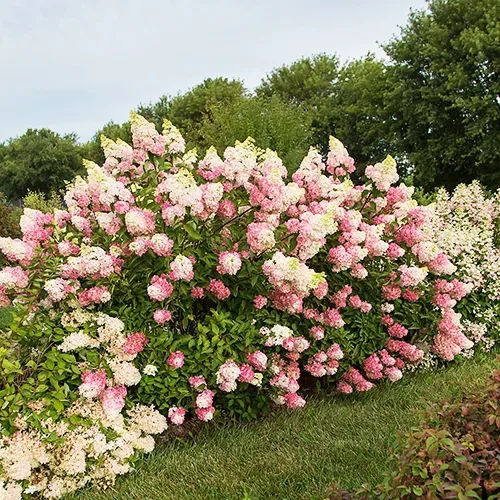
(294, 454)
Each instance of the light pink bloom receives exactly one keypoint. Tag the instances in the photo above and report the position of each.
(161, 316)
(205, 414)
(135, 343)
(93, 383)
(113, 400)
(205, 399)
(197, 381)
(176, 360)
(293, 400)
(258, 360)
(176, 415)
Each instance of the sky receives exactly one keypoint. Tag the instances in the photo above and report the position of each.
(74, 65)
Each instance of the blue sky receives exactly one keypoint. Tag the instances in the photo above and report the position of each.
(74, 65)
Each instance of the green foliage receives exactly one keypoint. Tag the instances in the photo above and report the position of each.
(44, 203)
(5, 316)
(40, 160)
(445, 75)
(32, 367)
(9, 219)
(359, 114)
(273, 124)
(303, 81)
(310, 83)
(189, 111)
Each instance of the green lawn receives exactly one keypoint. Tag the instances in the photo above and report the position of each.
(294, 454)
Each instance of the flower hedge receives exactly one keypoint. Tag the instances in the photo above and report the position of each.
(174, 288)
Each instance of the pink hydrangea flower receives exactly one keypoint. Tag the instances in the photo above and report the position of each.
(408, 351)
(317, 332)
(316, 369)
(411, 295)
(205, 399)
(386, 358)
(373, 367)
(181, 268)
(344, 388)
(296, 344)
(217, 288)
(293, 400)
(176, 360)
(226, 209)
(135, 343)
(13, 277)
(94, 295)
(391, 292)
(197, 292)
(394, 251)
(387, 320)
(335, 352)
(398, 331)
(205, 414)
(393, 373)
(67, 248)
(359, 271)
(229, 263)
(258, 360)
(140, 222)
(176, 415)
(260, 236)
(246, 373)
(113, 400)
(161, 244)
(93, 383)
(197, 381)
(260, 301)
(140, 245)
(160, 289)
(332, 318)
(321, 290)
(441, 265)
(161, 316)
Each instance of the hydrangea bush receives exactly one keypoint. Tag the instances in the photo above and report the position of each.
(465, 226)
(173, 288)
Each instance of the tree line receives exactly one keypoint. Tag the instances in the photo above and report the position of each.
(433, 103)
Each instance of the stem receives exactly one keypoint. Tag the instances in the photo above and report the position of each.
(367, 199)
(231, 220)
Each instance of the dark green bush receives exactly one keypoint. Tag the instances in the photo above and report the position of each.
(9, 219)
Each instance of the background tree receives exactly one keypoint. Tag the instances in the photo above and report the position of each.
(272, 122)
(40, 160)
(446, 92)
(360, 115)
(188, 111)
(309, 83)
